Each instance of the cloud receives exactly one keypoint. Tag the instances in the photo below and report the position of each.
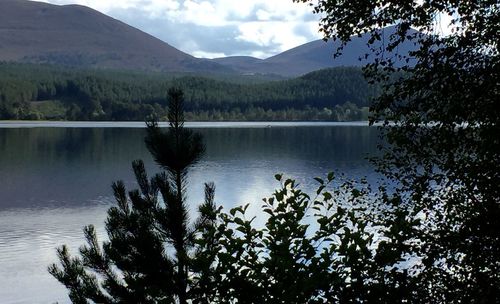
(278, 34)
(211, 28)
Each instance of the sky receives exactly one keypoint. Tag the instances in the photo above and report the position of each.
(216, 28)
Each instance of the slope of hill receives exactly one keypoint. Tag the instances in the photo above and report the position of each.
(30, 91)
(73, 35)
(77, 35)
(311, 56)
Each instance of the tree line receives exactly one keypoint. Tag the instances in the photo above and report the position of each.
(30, 91)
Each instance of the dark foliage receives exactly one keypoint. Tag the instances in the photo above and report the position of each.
(321, 249)
(442, 122)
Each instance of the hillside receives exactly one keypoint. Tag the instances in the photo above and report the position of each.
(311, 56)
(79, 36)
(30, 91)
(73, 35)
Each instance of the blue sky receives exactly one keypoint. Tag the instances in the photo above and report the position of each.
(216, 28)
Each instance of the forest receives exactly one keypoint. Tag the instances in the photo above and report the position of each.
(45, 92)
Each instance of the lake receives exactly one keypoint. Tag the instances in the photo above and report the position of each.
(56, 178)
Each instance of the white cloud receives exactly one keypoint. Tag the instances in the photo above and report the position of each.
(198, 12)
(443, 24)
(269, 25)
(159, 8)
(208, 55)
(272, 33)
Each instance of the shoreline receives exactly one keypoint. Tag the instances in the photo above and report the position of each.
(4, 124)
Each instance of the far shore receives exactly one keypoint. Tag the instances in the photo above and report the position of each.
(189, 124)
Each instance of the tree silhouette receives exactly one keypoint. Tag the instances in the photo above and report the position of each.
(440, 119)
(176, 151)
(150, 250)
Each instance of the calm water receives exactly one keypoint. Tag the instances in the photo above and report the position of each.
(56, 179)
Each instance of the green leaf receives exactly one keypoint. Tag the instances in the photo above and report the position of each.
(327, 195)
(330, 176)
(319, 180)
(356, 193)
(238, 221)
(320, 189)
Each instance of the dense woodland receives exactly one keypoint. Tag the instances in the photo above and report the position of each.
(34, 92)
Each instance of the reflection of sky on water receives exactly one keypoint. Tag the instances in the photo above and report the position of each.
(54, 181)
(28, 240)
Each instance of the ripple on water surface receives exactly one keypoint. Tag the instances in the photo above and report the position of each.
(56, 178)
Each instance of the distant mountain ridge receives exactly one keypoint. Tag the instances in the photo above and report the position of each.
(75, 35)
(312, 56)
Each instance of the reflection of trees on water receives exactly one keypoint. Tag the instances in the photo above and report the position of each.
(71, 166)
(66, 166)
(56, 145)
(69, 144)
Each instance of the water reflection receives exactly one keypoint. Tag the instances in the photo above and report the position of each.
(53, 181)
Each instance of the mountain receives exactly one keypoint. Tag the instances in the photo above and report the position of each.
(74, 35)
(240, 63)
(311, 56)
(79, 36)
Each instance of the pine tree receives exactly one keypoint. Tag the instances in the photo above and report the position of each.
(151, 247)
(176, 151)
